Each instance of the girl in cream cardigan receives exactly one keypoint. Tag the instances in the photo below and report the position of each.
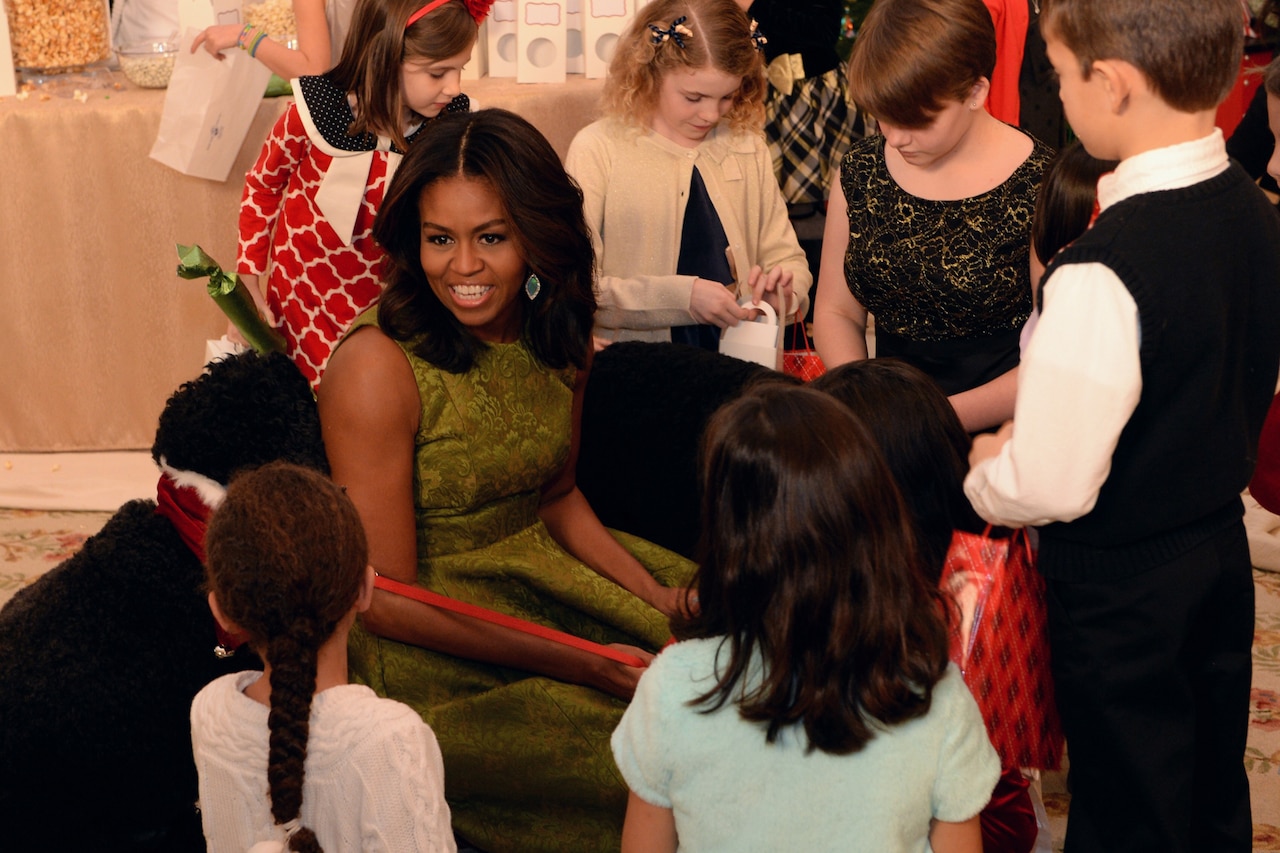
(686, 215)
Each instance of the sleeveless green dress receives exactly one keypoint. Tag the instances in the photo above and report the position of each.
(527, 760)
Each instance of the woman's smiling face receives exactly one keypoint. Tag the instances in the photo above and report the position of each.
(470, 256)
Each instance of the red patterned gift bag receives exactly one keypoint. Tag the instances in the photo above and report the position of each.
(1000, 642)
(803, 362)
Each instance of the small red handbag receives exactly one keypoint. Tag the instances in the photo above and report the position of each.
(1001, 644)
(803, 362)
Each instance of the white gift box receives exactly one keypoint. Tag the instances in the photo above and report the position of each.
(500, 44)
(541, 30)
(755, 340)
(479, 65)
(602, 22)
(574, 61)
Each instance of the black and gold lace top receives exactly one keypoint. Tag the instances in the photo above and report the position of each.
(939, 270)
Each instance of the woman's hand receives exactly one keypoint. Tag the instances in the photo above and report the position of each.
(672, 601)
(715, 304)
(618, 679)
(218, 38)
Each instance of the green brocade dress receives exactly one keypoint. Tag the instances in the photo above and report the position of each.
(527, 760)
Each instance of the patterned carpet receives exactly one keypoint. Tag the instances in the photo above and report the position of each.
(34, 541)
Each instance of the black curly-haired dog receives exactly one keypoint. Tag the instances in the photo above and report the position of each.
(101, 657)
(643, 413)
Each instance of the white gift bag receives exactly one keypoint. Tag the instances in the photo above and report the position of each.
(208, 108)
(755, 340)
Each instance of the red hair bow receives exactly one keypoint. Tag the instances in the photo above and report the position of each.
(479, 9)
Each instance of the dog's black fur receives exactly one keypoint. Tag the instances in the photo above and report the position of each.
(643, 414)
(101, 657)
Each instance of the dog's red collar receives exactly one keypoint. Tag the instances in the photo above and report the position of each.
(189, 515)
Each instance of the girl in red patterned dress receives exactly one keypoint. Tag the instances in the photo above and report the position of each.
(306, 217)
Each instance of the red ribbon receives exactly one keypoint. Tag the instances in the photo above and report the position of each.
(479, 9)
(443, 602)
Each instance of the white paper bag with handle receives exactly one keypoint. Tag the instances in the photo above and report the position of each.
(208, 108)
(755, 340)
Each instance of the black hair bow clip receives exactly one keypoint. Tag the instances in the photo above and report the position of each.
(677, 33)
(757, 37)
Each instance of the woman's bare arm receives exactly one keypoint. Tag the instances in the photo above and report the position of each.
(573, 523)
(369, 411)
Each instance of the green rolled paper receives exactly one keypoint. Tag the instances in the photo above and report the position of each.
(229, 292)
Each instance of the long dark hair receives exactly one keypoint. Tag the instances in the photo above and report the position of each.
(808, 562)
(922, 440)
(286, 557)
(1065, 202)
(544, 209)
(376, 45)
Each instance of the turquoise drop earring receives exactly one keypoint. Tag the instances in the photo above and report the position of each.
(532, 286)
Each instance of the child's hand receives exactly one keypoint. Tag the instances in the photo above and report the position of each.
(773, 287)
(217, 39)
(253, 284)
(714, 303)
(987, 445)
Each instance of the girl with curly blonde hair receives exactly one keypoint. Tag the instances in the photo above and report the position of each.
(687, 218)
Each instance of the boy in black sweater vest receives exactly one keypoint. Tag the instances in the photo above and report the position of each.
(1140, 398)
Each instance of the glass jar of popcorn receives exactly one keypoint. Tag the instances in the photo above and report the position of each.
(56, 36)
(273, 17)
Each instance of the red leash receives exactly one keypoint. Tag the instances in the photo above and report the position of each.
(443, 602)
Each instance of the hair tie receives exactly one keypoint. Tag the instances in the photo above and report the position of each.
(277, 846)
(676, 32)
(757, 37)
(479, 9)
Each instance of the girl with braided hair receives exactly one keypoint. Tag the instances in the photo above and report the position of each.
(294, 757)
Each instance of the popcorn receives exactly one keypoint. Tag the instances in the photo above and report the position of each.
(53, 35)
(273, 17)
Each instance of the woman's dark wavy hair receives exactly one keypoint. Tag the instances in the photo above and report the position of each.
(808, 561)
(922, 440)
(286, 557)
(376, 45)
(544, 211)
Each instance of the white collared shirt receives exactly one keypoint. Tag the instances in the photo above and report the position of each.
(1081, 377)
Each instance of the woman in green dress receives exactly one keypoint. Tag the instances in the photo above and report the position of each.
(451, 418)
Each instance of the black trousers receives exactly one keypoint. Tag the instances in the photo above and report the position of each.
(1152, 674)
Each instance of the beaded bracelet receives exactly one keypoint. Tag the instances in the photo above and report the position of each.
(242, 39)
(257, 41)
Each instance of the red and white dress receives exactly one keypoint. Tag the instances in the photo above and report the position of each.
(306, 220)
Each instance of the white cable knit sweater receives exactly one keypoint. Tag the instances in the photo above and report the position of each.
(374, 775)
